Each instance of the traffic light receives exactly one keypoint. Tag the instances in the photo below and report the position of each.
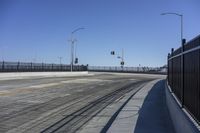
(76, 60)
(112, 52)
(122, 63)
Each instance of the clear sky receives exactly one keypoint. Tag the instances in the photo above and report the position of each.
(39, 30)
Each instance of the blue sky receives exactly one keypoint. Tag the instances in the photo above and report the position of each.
(39, 30)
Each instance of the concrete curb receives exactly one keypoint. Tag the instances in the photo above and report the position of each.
(182, 121)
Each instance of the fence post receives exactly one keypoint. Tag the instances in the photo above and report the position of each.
(168, 67)
(31, 66)
(42, 66)
(34, 67)
(3, 66)
(18, 66)
(172, 67)
(182, 71)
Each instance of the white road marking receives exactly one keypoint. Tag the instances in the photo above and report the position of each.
(133, 79)
(84, 81)
(43, 85)
(64, 95)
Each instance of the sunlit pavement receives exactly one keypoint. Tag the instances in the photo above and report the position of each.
(146, 112)
(45, 103)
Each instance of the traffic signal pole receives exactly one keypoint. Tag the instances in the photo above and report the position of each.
(120, 57)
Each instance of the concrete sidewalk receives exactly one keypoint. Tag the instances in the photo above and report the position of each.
(146, 112)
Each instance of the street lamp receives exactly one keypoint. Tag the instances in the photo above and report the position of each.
(181, 16)
(73, 40)
(182, 50)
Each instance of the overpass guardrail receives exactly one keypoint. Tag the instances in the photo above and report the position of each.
(151, 70)
(184, 76)
(37, 67)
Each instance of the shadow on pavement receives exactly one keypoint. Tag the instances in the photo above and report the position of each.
(154, 116)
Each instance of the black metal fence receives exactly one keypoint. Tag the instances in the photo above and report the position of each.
(184, 76)
(40, 67)
(37, 67)
(152, 70)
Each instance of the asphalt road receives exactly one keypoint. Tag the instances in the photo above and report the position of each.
(64, 104)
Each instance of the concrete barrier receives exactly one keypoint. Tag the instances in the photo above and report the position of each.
(182, 121)
(22, 75)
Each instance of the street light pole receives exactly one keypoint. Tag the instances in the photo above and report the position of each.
(181, 29)
(182, 56)
(73, 40)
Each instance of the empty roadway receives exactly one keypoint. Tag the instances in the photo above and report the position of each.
(64, 104)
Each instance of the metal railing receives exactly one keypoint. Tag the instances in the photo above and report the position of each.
(37, 67)
(184, 76)
(153, 70)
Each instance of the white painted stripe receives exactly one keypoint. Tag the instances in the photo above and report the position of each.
(64, 95)
(84, 80)
(133, 79)
(44, 85)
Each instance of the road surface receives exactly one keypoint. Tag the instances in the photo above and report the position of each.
(64, 104)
